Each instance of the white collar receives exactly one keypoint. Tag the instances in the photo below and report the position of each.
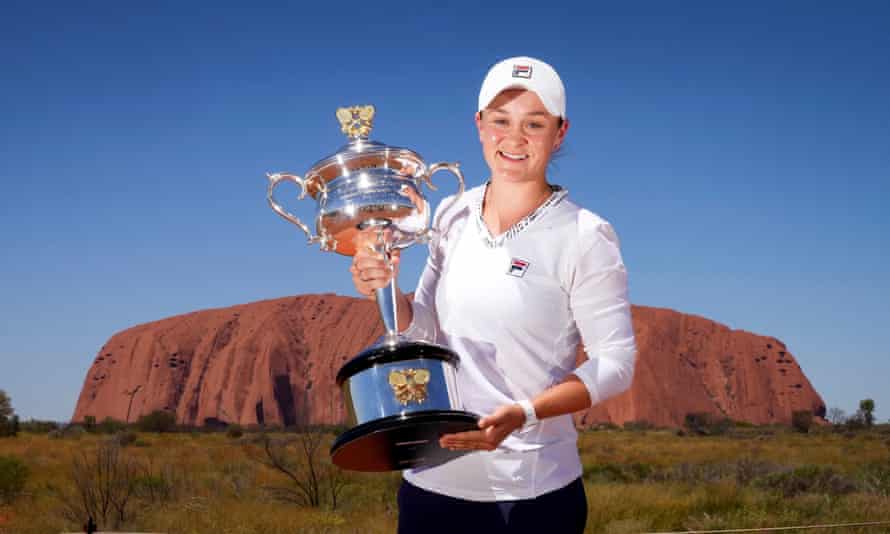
(557, 192)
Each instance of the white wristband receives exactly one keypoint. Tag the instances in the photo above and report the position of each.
(531, 418)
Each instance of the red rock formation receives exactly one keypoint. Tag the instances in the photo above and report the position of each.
(275, 361)
(691, 364)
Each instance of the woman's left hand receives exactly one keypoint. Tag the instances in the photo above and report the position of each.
(492, 430)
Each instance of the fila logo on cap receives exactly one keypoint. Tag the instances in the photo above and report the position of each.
(517, 267)
(522, 71)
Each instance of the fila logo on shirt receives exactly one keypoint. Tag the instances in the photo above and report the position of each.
(517, 267)
(522, 71)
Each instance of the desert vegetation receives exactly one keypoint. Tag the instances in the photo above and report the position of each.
(711, 474)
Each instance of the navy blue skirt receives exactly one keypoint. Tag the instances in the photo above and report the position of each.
(424, 512)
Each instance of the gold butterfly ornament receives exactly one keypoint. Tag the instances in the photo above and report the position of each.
(409, 385)
(356, 121)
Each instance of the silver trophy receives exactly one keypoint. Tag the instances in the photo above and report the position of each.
(401, 395)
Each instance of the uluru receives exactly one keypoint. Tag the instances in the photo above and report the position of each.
(274, 362)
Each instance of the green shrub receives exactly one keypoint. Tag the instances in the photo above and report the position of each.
(34, 426)
(9, 426)
(876, 479)
(696, 473)
(110, 425)
(808, 479)
(802, 420)
(154, 488)
(867, 412)
(13, 475)
(67, 432)
(624, 473)
(157, 421)
(89, 423)
(638, 426)
(126, 437)
(234, 431)
(853, 424)
(706, 424)
(748, 470)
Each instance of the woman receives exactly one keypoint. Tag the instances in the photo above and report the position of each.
(517, 276)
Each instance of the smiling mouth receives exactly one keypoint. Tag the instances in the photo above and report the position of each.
(512, 157)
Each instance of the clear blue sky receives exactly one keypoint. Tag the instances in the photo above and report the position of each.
(741, 150)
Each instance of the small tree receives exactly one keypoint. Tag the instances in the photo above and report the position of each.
(6, 410)
(104, 486)
(867, 409)
(89, 423)
(836, 416)
(802, 420)
(312, 477)
(8, 420)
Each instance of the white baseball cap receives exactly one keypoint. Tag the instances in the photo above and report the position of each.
(525, 73)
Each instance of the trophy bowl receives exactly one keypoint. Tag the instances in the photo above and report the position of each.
(401, 395)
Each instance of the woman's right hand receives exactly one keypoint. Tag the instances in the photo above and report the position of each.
(369, 268)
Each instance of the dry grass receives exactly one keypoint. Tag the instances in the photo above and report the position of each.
(636, 482)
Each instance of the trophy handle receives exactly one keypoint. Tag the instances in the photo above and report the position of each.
(426, 178)
(436, 167)
(274, 180)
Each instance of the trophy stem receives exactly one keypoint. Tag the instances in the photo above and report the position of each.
(386, 296)
(389, 312)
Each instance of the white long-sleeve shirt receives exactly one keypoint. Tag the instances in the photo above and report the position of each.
(514, 308)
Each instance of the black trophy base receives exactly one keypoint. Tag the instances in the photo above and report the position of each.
(401, 441)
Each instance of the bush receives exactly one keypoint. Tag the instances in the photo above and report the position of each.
(808, 479)
(235, 431)
(867, 412)
(876, 479)
(706, 424)
(638, 426)
(309, 476)
(126, 437)
(13, 475)
(748, 470)
(157, 421)
(9, 427)
(852, 424)
(696, 473)
(89, 423)
(9, 422)
(67, 432)
(34, 426)
(111, 426)
(802, 420)
(153, 488)
(102, 486)
(624, 473)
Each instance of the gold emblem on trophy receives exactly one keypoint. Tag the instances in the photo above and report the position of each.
(409, 385)
(356, 121)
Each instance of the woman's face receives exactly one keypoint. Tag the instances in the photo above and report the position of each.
(518, 136)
